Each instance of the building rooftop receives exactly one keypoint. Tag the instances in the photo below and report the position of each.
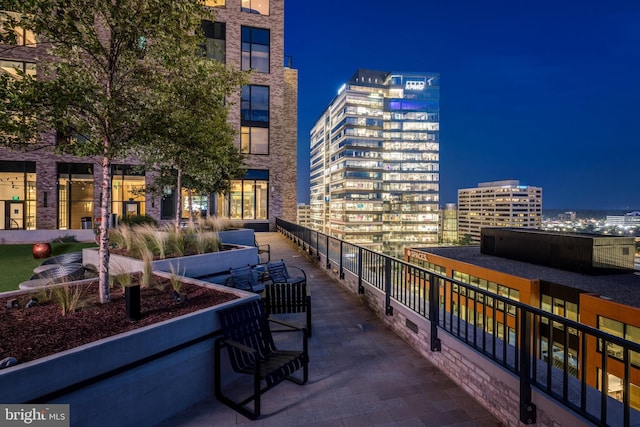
(622, 288)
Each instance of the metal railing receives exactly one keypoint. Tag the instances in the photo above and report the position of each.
(516, 336)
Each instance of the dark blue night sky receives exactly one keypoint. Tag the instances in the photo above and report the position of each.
(547, 92)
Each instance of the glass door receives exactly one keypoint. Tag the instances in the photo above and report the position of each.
(14, 216)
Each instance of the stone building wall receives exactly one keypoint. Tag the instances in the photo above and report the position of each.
(281, 160)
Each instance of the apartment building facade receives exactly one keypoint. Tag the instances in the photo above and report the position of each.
(374, 163)
(304, 212)
(43, 190)
(504, 203)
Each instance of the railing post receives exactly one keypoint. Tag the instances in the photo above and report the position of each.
(387, 286)
(318, 245)
(360, 287)
(527, 407)
(309, 246)
(341, 267)
(327, 248)
(434, 313)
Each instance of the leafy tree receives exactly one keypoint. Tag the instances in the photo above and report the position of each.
(190, 142)
(465, 240)
(106, 64)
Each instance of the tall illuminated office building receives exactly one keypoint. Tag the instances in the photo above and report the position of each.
(374, 171)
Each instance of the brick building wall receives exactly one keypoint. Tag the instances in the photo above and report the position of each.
(280, 162)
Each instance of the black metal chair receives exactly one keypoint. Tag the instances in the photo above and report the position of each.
(278, 273)
(262, 249)
(249, 342)
(288, 298)
(244, 278)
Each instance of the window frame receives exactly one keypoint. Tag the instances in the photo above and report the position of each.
(24, 69)
(257, 179)
(249, 9)
(22, 34)
(613, 350)
(251, 147)
(249, 121)
(251, 45)
(216, 3)
(214, 28)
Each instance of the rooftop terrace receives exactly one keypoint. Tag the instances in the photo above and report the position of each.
(361, 372)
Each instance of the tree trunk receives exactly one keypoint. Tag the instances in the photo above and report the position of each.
(178, 198)
(190, 193)
(103, 268)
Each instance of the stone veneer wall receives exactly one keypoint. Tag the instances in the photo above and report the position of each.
(46, 159)
(41, 153)
(288, 148)
(283, 88)
(495, 388)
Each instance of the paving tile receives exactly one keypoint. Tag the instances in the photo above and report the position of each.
(360, 374)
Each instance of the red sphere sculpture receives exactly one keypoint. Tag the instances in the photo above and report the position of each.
(41, 250)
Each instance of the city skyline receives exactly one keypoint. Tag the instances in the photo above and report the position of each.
(543, 93)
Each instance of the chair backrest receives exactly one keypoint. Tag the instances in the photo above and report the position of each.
(277, 271)
(247, 324)
(286, 298)
(244, 278)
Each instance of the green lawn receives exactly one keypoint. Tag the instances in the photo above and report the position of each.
(17, 262)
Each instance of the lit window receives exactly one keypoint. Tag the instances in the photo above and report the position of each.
(127, 191)
(260, 7)
(23, 37)
(215, 3)
(247, 198)
(612, 327)
(254, 140)
(17, 68)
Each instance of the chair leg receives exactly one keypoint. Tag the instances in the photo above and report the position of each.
(305, 376)
(236, 406)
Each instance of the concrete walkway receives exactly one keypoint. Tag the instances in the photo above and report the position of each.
(360, 374)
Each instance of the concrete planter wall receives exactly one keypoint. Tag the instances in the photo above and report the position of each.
(190, 266)
(136, 378)
(241, 236)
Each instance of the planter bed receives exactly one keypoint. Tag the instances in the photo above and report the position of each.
(191, 266)
(135, 378)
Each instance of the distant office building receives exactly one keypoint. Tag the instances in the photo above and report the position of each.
(498, 204)
(304, 214)
(448, 230)
(582, 277)
(375, 161)
(567, 216)
(631, 219)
